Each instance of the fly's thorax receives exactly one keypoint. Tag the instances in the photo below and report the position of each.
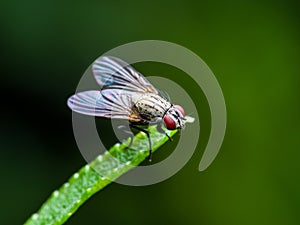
(151, 106)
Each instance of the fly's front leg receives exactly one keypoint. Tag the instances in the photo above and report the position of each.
(160, 130)
(148, 135)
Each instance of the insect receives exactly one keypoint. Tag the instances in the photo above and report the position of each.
(126, 94)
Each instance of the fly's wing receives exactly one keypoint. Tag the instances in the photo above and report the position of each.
(113, 73)
(164, 95)
(109, 104)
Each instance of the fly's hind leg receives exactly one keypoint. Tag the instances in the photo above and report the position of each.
(148, 135)
(125, 130)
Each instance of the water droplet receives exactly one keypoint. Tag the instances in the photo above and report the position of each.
(35, 216)
(55, 193)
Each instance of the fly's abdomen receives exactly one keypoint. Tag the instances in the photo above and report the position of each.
(151, 106)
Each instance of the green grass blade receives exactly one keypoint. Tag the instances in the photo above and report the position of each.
(86, 182)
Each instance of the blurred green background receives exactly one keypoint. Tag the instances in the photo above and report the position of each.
(252, 47)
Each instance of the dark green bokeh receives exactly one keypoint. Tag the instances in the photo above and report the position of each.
(253, 49)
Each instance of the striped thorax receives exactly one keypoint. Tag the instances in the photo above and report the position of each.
(152, 107)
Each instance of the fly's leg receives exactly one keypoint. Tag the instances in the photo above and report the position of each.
(148, 135)
(126, 131)
(160, 130)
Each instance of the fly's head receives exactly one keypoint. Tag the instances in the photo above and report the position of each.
(174, 117)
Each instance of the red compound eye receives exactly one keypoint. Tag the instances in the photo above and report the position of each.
(169, 122)
(178, 107)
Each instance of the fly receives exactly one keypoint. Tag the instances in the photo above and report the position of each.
(126, 94)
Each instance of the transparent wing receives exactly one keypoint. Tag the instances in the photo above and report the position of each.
(107, 103)
(113, 73)
(164, 95)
